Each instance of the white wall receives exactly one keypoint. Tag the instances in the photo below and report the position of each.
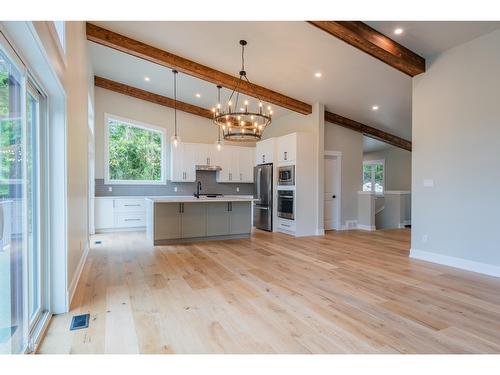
(350, 143)
(456, 143)
(190, 128)
(77, 91)
(397, 171)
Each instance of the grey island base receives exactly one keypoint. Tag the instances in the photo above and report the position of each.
(180, 219)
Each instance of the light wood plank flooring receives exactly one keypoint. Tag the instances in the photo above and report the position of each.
(346, 292)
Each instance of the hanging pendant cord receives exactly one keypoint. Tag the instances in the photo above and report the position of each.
(175, 101)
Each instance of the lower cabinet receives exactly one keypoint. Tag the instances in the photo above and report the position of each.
(121, 213)
(218, 223)
(167, 221)
(198, 220)
(240, 218)
(193, 220)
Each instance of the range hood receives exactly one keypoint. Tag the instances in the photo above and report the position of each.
(208, 168)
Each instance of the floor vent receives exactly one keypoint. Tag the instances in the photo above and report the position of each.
(79, 322)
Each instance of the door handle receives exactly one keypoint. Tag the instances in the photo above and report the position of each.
(333, 196)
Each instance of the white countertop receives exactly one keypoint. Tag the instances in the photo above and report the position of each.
(191, 198)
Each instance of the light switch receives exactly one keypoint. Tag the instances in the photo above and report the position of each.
(428, 183)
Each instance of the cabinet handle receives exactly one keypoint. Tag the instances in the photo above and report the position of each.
(180, 207)
(230, 176)
(263, 158)
(285, 225)
(228, 208)
(285, 155)
(132, 205)
(132, 219)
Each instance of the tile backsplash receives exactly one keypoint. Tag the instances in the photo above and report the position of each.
(208, 181)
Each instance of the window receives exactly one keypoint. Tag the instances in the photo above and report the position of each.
(373, 176)
(134, 152)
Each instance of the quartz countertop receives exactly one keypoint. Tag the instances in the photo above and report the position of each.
(191, 198)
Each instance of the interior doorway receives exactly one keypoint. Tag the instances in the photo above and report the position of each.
(332, 197)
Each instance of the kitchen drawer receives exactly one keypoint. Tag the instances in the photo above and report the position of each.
(130, 205)
(130, 220)
(286, 225)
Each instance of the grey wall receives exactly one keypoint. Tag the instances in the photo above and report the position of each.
(397, 167)
(456, 143)
(350, 143)
(208, 183)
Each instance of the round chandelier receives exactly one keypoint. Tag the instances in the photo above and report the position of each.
(239, 123)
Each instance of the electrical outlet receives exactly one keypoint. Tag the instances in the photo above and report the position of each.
(110, 189)
(425, 238)
(175, 189)
(237, 189)
(428, 183)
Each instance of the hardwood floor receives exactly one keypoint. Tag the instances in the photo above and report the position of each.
(346, 292)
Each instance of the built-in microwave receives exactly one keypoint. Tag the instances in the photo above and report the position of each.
(286, 175)
(285, 204)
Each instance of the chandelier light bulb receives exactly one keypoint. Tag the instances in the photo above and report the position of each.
(255, 124)
(243, 130)
(260, 104)
(242, 123)
(219, 146)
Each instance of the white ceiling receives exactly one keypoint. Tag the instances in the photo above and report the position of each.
(282, 56)
(130, 70)
(429, 38)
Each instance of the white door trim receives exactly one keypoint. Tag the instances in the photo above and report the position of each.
(338, 179)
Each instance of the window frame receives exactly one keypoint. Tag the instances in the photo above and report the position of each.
(141, 125)
(374, 162)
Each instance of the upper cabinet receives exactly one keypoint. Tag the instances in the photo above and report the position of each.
(182, 162)
(236, 162)
(264, 151)
(287, 146)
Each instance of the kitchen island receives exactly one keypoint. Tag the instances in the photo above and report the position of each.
(176, 219)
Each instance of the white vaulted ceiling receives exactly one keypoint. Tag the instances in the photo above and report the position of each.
(282, 56)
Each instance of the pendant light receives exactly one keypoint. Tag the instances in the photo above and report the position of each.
(175, 139)
(218, 143)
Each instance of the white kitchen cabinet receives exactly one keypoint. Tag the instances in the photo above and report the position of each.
(287, 146)
(245, 164)
(206, 154)
(264, 151)
(119, 213)
(236, 163)
(183, 162)
(104, 218)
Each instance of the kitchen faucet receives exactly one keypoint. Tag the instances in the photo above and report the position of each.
(198, 189)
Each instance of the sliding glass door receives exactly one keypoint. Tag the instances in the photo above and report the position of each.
(13, 325)
(35, 277)
(22, 256)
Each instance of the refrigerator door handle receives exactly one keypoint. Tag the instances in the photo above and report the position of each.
(261, 208)
(259, 178)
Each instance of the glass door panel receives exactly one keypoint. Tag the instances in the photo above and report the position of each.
(13, 211)
(32, 200)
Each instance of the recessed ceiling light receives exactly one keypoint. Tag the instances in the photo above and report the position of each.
(398, 31)
(375, 108)
(318, 74)
(198, 95)
(147, 79)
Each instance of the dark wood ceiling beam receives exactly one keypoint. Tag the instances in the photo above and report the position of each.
(369, 131)
(158, 56)
(150, 97)
(369, 40)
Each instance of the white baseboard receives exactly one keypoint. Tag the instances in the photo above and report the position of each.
(349, 225)
(464, 264)
(320, 232)
(404, 224)
(76, 277)
(367, 227)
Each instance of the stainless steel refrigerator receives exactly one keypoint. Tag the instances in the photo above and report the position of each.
(263, 194)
